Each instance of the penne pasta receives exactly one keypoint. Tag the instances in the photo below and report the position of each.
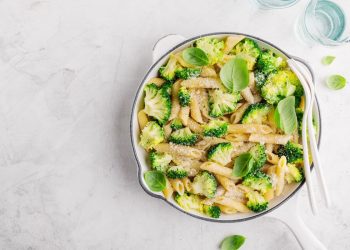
(175, 105)
(237, 137)
(157, 81)
(270, 138)
(271, 157)
(236, 117)
(249, 129)
(194, 126)
(231, 41)
(252, 84)
(208, 72)
(229, 202)
(207, 142)
(179, 150)
(168, 190)
(241, 149)
(247, 95)
(202, 82)
(227, 210)
(217, 169)
(142, 119)
(280, 172)
(184, 115)
(167, 130)
(177, 185)
(227, 183)
(187, 184)
(195, 108)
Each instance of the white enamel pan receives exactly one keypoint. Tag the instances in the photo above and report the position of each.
(283, 207)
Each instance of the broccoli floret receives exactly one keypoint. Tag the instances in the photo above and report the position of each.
(259, 155)
(215, 128)
(256, 202)
(183, 136)
(212, 211)
(176, 124)
(167, 87)
(213, 47)
(260, 79)
(151, 135)
(160, 161)
(176, 172)
(184, 97)
(293, 174)
(204, 184)
(249, 50)
(256, 113)
(292, 151)
(188, 201)
(268, 62)
(157, 103)
(300, 113)
(221, 153)
(278, 86)
(168, 71)
(187, 73)
(258, 181)
(221, 103)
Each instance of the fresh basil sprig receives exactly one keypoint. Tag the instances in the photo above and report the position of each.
(155, 180)
(243, 164)
(232, 242)
(235, 75)
(285, 116)
(195, 56)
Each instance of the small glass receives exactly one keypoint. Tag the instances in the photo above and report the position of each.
(275, 4)
(325, 22)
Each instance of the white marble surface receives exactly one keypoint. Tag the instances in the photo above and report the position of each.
(68, 73)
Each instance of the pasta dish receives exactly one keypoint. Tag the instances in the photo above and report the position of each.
(221, 125)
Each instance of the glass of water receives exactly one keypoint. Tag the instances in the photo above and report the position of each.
(325, 22)
(275, 4)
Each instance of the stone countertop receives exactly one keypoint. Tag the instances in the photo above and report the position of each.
(68, 73)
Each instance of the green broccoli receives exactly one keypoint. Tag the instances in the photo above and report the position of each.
(187, 73)
(215, 128)
(183, 136)
(293, 174)
(247, 49)
(221, 153)
(157, 103)
(221, 103)
(300, 113)
(213, 47)
(278, 86)
(212, 211)
(292, 151)
(258, 181)
(269, 62)
(260, 79)
(188, 201)
(168, 71)
(167, 87)
(151, 135)
(256, 202)
(204, 184)
(176, 124)
(176, 172)
(184, 97)
(256, 113)
(259, 155)
(160, 161)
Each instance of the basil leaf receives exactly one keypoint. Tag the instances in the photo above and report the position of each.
(233, 242)
(285, 116)
(327, 60)
(243, 164)
(155, 180)
(195, 56)
(235, 75)
(336, 82)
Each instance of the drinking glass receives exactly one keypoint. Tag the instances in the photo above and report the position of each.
(325, 22)
(275, 4)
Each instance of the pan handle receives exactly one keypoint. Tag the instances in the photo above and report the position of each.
(164, 44)
(290, 216)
